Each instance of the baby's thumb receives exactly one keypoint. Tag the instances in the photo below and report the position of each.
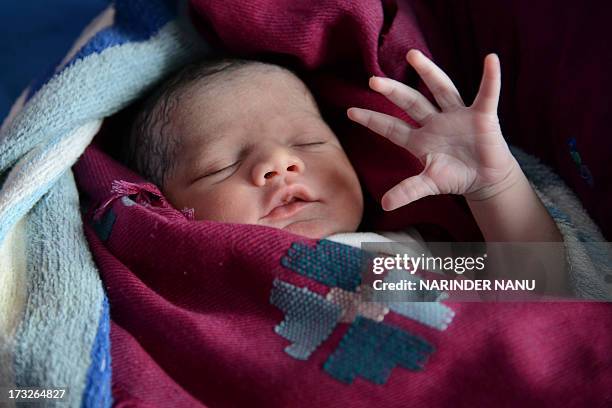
(488, 95)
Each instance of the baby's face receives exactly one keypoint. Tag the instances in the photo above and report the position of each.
(255, 150)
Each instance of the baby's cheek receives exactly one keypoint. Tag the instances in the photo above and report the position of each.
(225, 204)
(341, 178)
(346, 191)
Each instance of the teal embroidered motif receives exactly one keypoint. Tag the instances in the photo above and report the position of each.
(309, 318)
(353, 304)
(422, 305)
(432, 314)
(329, 263)
(370, 348)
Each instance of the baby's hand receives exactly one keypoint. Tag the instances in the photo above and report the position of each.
(462, 148)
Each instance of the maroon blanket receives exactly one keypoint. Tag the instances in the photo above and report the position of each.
(205, 314)
(198, 307)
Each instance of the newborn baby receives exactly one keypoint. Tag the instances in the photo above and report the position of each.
(244, 142)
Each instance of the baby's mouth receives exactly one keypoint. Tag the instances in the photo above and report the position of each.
(288, 201)
(289, 207)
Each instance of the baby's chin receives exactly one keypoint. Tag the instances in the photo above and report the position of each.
(315, 229)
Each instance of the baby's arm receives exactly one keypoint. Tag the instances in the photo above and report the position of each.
(463, 152)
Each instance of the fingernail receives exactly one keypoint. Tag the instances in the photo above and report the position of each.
(413, 51)
(384, 204)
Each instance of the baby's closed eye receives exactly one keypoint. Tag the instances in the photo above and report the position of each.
(217, 170)
(309, 144)
(309, 139)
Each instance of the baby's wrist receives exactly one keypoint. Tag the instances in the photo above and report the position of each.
(513, 177)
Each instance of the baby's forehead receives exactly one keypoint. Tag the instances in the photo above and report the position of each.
(243, 96)
(252, 77)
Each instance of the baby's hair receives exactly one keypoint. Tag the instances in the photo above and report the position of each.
(151, 146)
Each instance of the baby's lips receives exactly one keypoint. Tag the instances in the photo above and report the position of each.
(286, 194)
(285, 211)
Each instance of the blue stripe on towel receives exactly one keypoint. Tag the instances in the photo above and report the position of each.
(98, 387)
(135, 20)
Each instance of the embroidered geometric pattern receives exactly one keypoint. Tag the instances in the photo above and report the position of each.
(421, 305)
(353, 304)
(329, 263)
(370, 348)
(432, 314)
(309, 318)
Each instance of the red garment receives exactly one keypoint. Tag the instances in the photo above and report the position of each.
(193, 325)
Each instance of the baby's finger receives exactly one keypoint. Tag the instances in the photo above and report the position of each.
(409, 100)
(490, 85)
(440, 85)
(392, 128)
(407, 191)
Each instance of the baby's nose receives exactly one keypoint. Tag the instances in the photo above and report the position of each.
(276, 165)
